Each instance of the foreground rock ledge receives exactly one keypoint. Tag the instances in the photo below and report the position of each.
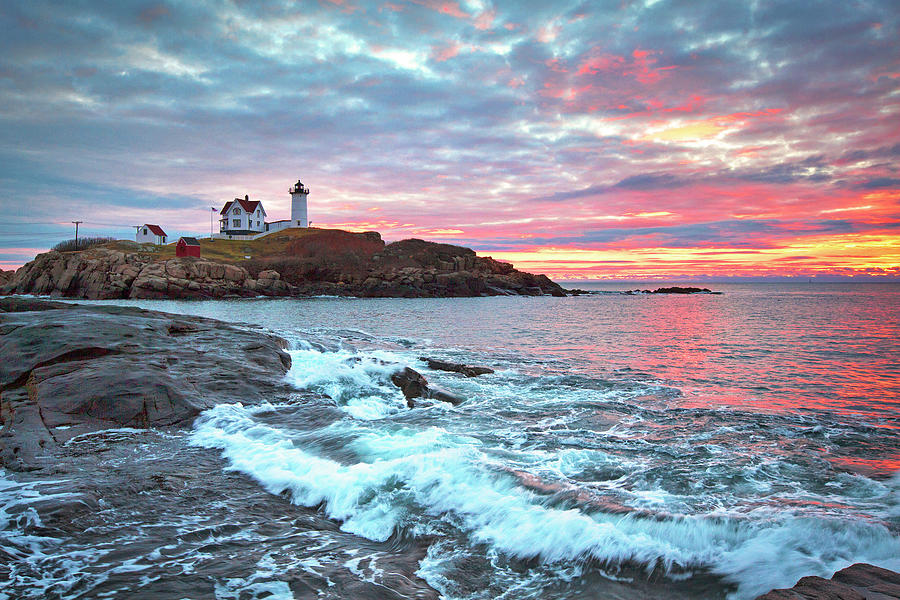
(856, 582)
(117, 497)
(69, 370)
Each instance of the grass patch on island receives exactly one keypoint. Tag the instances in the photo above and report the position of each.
(234, 251)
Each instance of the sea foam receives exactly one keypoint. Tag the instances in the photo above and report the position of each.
(423, 479)
(410, 477)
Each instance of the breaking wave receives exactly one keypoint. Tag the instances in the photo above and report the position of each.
(463, 476)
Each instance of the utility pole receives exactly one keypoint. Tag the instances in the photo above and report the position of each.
(76, 233)
(212, 211)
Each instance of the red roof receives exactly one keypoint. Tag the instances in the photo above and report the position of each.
(156, 229)
(248, 205)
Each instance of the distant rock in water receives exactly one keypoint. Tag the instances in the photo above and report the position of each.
(69, 370)
(306, 262)
(675, 290)
(856, 582)
(467, 370)
(5, 277)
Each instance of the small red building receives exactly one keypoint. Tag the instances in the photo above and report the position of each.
(187, 246)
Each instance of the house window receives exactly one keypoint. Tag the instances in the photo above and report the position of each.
(257, 212)
(236, 222)
(257, 223)
(145, 231)
(236, 211)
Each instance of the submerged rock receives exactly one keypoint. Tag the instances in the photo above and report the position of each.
(857, 582)
(69, 369)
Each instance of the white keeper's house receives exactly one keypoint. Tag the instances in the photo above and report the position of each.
(243, 218)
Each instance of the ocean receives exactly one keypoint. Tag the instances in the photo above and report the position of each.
(627, 446)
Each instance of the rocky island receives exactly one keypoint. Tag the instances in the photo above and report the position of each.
(294, 262)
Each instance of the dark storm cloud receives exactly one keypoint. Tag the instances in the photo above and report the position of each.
(880, 183)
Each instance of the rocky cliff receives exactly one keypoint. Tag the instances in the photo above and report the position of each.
(102, 273)
(325, 262)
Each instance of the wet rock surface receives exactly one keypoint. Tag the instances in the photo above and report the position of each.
(452, 367)
(102, 494)
(142, 514)
(414, 385)
(326, 262)
(70, 369)
(857, 582)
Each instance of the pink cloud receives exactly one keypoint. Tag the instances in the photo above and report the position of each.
(344, 5)
(485, 20)
(445, 53)
(444, 7)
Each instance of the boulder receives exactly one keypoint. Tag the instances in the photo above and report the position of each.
(269, 274)
(414, 385)
(233, 273)
(857, 582)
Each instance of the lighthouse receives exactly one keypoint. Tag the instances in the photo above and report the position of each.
(299, 192)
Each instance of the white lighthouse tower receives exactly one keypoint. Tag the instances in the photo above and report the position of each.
(299, 192)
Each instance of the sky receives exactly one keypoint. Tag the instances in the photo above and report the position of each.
(611, 140)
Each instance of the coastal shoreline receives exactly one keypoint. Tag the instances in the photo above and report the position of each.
(96, 406)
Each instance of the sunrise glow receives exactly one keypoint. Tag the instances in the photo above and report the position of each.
(579, 141)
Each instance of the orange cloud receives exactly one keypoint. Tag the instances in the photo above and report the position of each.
(706, 128)
(846, 255)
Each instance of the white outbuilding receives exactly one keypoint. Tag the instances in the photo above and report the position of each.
(150, 234)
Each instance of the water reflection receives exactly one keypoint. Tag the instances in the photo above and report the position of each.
(807, 349)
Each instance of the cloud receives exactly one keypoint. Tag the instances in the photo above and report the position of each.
(880, 183)
(733, 123)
